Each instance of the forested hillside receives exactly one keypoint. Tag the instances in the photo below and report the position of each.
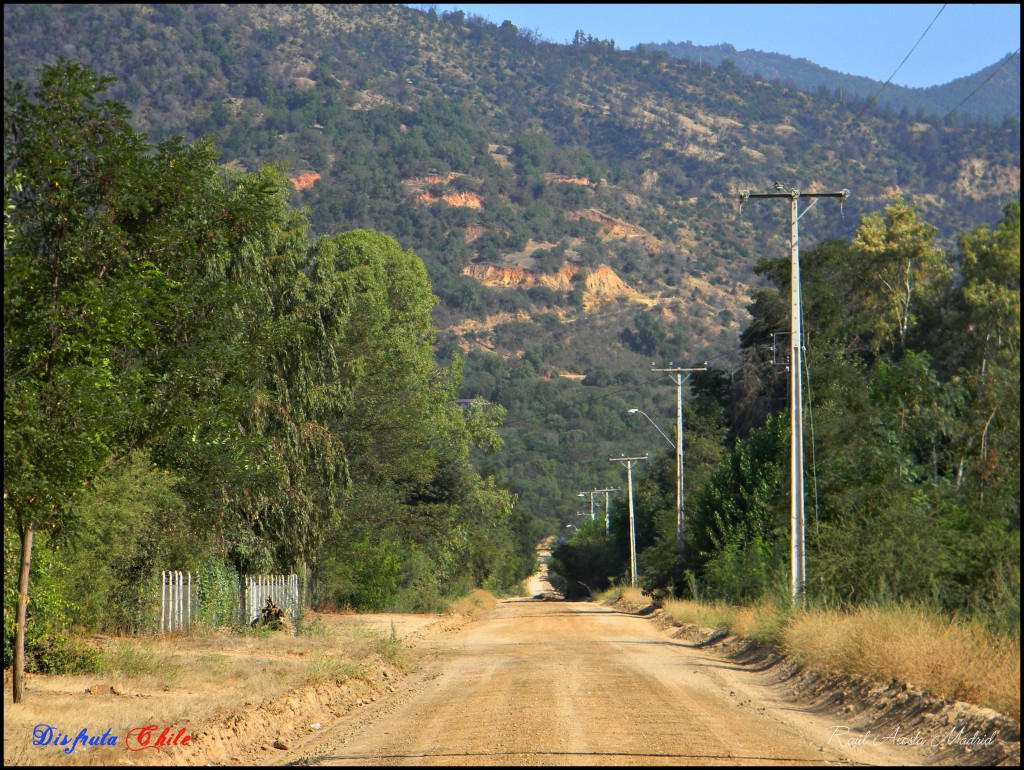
(576, 206)
(575, 211)
(992, 93)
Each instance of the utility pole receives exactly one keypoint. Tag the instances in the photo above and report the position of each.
(607, 503)
(796, 461)
(628, 462)
(679, 371)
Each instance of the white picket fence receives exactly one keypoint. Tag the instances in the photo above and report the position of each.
(283, 589)
(175, 601)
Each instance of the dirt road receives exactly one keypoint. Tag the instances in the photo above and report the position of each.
(579, 683)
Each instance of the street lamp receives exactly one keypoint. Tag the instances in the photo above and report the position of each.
(584, 494)
(679, 466)
(652, 422)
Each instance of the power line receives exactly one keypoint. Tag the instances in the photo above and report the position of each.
(972, 93)
(873, 99)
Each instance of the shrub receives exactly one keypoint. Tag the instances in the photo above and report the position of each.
(61, 655)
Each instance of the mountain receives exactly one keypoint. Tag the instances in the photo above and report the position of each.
(577, 206)
(993, 92)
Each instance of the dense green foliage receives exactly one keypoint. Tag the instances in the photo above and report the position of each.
(912, 436)
(189, 383)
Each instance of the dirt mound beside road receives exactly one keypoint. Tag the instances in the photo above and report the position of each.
(235, 695)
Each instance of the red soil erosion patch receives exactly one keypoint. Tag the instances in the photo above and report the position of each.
(303, 181)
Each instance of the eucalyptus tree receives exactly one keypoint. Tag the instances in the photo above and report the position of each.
(896, 269)
(414, 494)
(398, 396)
(261, 464)
(990, 364)
(386, 349)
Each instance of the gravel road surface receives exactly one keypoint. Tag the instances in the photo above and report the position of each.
(580, 683)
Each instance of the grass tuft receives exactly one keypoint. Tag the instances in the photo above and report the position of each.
(715, 615)
(365, 641)
(473, 604)
(315, 628)
(623, 593)
(141, 661)
(323, 668)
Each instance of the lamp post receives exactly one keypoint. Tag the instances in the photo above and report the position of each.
(652, 422)
(628, 462)
(584, 494)
(679, 487)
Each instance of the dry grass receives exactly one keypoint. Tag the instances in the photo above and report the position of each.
(720, 617)
(763, 623)
(474, 604)
(325, 669)
(626, 594)
(188, 680)
(951, 658)
(954, 659)
(50, 704)
(365, 642)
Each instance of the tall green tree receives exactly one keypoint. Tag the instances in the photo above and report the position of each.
(897, 268)
(385, 347)
(79, 288)
(127, 319)
(292, 319)
(990, 365)
(415, 498)
(382, 345)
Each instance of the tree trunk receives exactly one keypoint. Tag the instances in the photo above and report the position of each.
(314, 585)
(22, 614)
(303, 587)
(241, 595)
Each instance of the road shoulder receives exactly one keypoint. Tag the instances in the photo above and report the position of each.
(870, 721)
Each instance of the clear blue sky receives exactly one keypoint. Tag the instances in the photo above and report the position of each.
(869, 40)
